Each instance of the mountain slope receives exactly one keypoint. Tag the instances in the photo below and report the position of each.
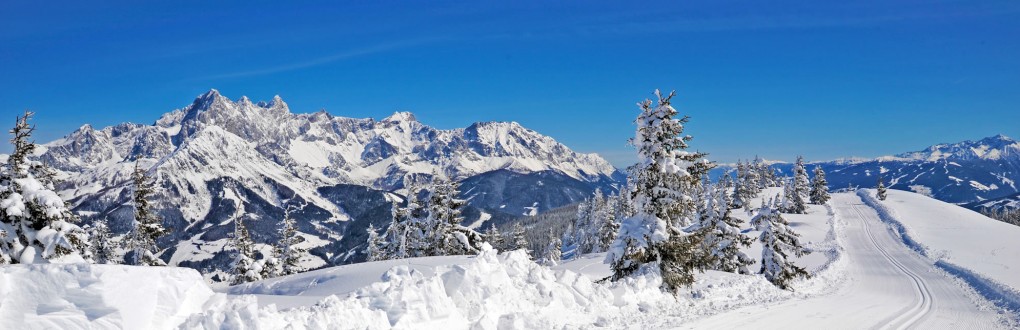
(217, 159)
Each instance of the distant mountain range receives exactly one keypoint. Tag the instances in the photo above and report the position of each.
(968, 173)
(217, 158)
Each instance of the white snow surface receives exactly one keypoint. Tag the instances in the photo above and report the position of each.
(83, 296)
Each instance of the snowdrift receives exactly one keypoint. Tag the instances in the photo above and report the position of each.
(83, 296)
(979, 250)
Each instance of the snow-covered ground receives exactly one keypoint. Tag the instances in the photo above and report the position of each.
(863, 276)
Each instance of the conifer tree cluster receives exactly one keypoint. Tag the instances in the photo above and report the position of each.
(429, 226)
(660, 233)
(597, 222)
(722, 237)
(796, 190)
(751, 178)
(36, 225)
(147, 226)
(778, 242)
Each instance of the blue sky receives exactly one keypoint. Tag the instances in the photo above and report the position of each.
(777, 79)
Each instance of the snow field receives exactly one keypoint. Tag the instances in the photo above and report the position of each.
(84, 296)
(978, 250)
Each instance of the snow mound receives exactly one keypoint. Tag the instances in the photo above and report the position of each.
(83, 296)
(490, 291)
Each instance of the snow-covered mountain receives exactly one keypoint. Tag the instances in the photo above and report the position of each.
(963, 172)
(216, 158)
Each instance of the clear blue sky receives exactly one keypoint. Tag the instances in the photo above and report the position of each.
(774, 78)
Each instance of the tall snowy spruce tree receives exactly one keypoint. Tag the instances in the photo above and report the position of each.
(881, 193)
(661, 183)
(286, 250)
(35, 223)
(376, 245)
(819, 187)
(778, 241)
(147, 226)
(737, 195)
(800, 188)
(723, 238)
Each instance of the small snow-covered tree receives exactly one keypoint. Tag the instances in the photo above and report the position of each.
(147, 226)
(245, 265)
(661, 185)
(104, 251)
(793, 202)
(376, 245)
(553, 252)
(778, 241)
(802, 184)
(881, 194)
(819, 187)
(287, 252)
(35, 223)
(737, 195)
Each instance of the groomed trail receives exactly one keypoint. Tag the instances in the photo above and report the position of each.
(890, 287)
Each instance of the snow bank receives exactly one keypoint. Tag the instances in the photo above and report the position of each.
(976, 249)
(83, 296)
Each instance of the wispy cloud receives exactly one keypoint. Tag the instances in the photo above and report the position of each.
(350, 53)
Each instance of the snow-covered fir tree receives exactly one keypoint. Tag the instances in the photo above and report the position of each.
(581, 237)
(609, 224)
(778, 242)
(147, 226)
(661, 184)
(801, 187)
(286, 250)
(553, 252)
(445, 233)
(752, 179)
(35, 223)
(723, 239)
(495, 238)
(405, 236)
(737, 195)
(376, 245)
(766, 176)
(103, 248)
(246, 267)
(819, 187)
(517, 239)
(881, 190)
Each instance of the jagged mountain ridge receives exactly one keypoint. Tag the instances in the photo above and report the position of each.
(218, 158)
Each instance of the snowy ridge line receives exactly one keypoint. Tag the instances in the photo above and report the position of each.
(999, 294)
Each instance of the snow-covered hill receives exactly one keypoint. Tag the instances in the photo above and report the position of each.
(217, 158)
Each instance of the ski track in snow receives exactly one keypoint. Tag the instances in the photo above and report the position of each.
(891, 287)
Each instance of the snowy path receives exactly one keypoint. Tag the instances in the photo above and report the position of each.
(890, 287)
